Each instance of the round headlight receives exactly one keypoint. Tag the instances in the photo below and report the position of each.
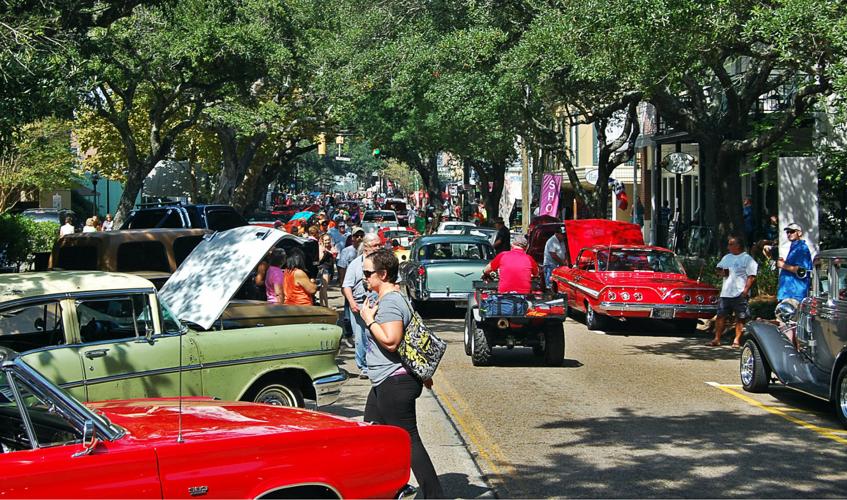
(700, 299)
(625, 295)
(612, 295)
(686, 298)
(638, 296)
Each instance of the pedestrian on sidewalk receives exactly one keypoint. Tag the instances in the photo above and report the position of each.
(327, 254)
(394, 391)
(354, 291)
(739, 274)
(795, 268)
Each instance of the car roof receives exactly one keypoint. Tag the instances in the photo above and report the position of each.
(833, 253)
(629, 247)
(148, 234)
(17, 286)
(449, 238)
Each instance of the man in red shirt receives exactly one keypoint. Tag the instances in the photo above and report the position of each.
(515, 267)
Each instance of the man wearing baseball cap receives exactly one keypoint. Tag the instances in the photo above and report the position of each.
(795, 268)
(516, 268)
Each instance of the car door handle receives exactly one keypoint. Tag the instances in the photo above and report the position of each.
(97, 353)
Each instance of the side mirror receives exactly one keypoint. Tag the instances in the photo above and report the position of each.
(89, 439)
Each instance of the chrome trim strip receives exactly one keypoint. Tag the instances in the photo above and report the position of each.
(449, 295)
(202, 366)
(589, 291)
(641, 307)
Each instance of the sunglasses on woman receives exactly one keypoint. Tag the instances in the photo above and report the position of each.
(367, 273)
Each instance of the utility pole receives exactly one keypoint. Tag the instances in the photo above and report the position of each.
(525, 180)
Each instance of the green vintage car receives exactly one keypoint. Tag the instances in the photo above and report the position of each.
(110, 335)
(442, 268)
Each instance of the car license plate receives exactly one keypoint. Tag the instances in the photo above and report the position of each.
(662, 313)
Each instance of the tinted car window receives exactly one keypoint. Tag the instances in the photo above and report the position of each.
(448, 250)
(154, 217)
(221, 220)
(379, 216)
(183, 247)
(142, 256)
(77, 258)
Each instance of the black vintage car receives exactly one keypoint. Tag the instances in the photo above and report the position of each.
(807, 350)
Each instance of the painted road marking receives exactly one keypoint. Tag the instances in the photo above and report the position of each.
(487, 449)
(827, 432)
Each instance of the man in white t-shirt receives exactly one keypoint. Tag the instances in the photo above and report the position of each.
(555, 254)
(739, 272)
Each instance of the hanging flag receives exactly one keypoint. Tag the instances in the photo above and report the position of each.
(549, 201)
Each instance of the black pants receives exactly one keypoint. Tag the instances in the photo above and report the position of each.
(393, 403)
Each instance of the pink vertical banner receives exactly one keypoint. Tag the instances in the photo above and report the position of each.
(549, 200)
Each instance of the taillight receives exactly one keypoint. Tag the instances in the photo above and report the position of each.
(700, 299)
(638, 296)
(686, 298)
(713, 299)
(625, 295)
(612, 295)
(421, 271)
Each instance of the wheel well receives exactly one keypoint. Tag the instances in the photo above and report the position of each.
(752, 338)
(305, 491)
(289, 375)
(840, 361)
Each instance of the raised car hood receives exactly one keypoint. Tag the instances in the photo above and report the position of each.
(204, 418)
(204, 283)
(589, 232)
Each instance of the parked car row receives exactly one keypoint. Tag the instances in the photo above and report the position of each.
(148, 363)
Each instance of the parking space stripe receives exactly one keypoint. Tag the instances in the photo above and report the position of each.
(487, 449)
(826, 432)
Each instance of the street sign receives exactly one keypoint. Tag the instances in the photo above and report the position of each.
(591, 176)
(678, 163)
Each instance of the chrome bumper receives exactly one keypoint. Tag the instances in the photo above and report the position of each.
(454, 296)
(406, 493)
(638, 307)
(328, 389)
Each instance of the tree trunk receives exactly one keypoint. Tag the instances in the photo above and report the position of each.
(496, 178)
(237, 159)
(134, 182)
(429, 174)
(722, 205)
(245, 193)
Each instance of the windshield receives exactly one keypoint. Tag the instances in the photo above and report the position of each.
(398, 234)
(379, 216)
(658, 261)
(447, 250)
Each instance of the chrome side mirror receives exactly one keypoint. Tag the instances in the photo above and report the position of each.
(89, 439)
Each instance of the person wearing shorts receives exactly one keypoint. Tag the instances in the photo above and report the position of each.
(738, 269)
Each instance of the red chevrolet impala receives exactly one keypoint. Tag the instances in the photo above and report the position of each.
(55, 447)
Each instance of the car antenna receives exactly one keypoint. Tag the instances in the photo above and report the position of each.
(179, 425)
(700, 274)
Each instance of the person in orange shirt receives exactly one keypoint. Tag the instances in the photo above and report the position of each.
(298, 288)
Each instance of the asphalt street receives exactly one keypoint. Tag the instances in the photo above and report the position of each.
(640, 411)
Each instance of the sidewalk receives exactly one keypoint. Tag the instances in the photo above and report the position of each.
(459, 474)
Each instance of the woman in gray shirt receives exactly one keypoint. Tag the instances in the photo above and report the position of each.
(394, 390)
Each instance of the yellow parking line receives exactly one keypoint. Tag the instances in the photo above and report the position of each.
(826, 432)
(487, 449)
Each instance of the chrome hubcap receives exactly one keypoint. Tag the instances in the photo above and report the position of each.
(842, 398)
(277, 395)
(747, 362)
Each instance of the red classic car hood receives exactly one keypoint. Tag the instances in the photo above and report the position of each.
(650, 279)
(589, 232)
(205, 418)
